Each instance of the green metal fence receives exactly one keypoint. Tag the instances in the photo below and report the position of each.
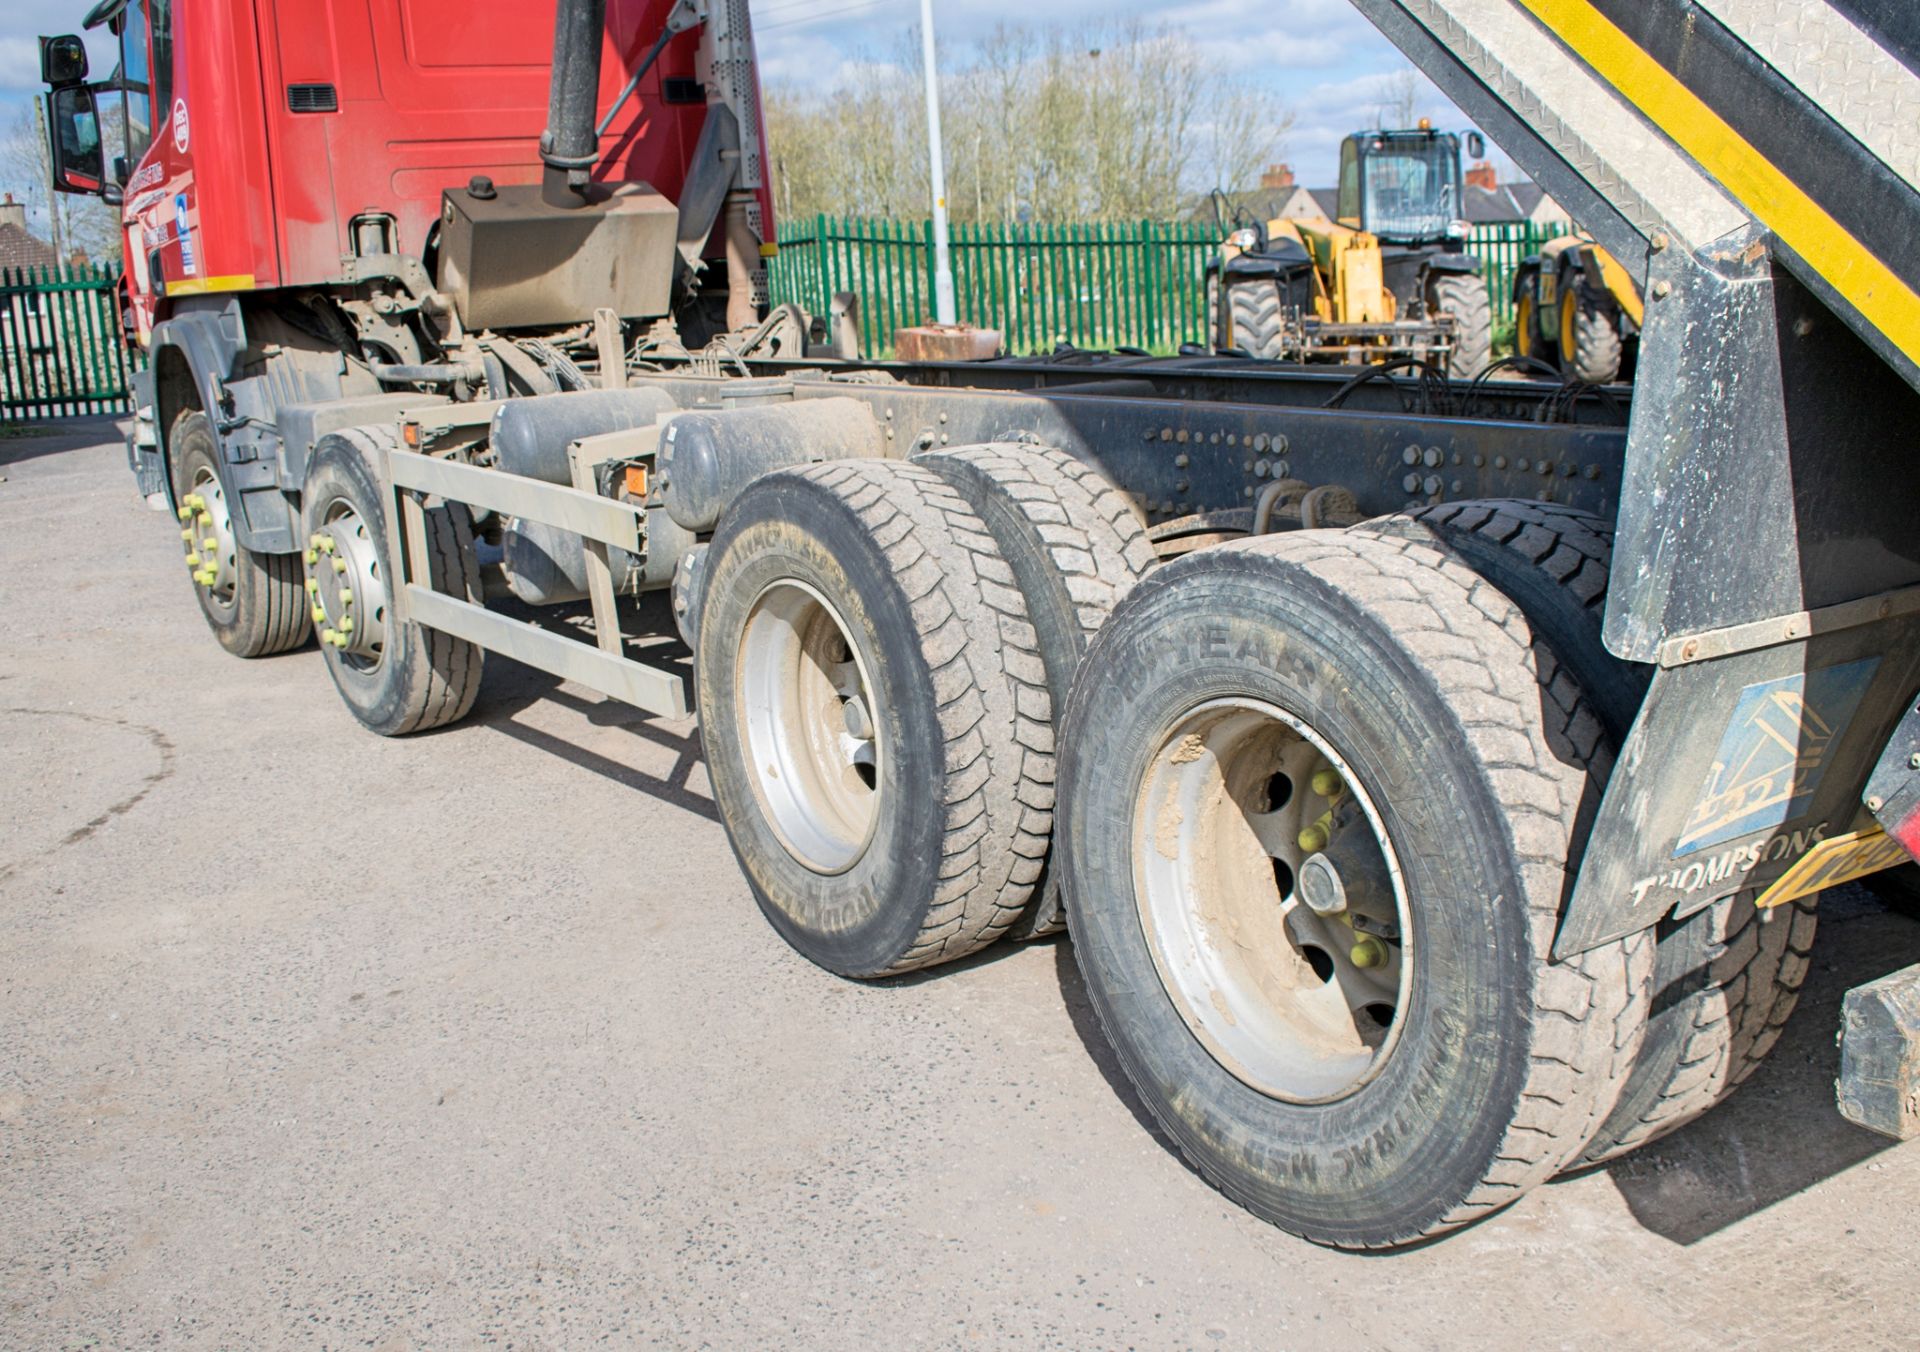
(1500, 249)
(1097, 285)
(63, 353)
(1101, 284)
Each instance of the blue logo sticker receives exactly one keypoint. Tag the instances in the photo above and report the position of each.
(186, 239)
(1774, 752)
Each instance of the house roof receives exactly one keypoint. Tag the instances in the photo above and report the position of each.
(19, 249)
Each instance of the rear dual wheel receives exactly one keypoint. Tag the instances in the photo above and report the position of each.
(875, 716)
(1726, 978)
(1321, 795)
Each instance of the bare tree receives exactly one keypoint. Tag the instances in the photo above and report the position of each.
(1115, 121)
(1399, 101)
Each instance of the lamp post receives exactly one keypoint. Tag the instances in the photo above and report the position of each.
(942, 262)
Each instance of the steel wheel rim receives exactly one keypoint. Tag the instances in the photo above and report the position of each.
(208, 534)
(812, 735)
(1231, 930)
(346, 588)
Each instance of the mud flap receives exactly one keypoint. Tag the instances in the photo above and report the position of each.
(1737, 768)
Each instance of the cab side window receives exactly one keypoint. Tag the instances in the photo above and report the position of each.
(1349, 204)
(160, 20)
(137, 80)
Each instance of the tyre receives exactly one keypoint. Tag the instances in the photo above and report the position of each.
(1722, 983)
(1320, 796)
(1725, 980)
(1254, 321)
(1464, 296)
(875, 716)
(1075, 547)
(1589, 338)
(252, 602)
(395, 677)
(1553, 562)
(1527, 341)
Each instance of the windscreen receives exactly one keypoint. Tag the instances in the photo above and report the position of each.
(1412, 187)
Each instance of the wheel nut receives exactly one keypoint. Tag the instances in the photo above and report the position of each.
(346, 624)
(1368, 952)
(1314, 838)
(346, 597)
(187, 535)
(193, 562)
(319, 615)
(327, 636)
(185, 513)
(339, 565)
(1327, 782)
(210, 544)
(313, 586)
(312, 558)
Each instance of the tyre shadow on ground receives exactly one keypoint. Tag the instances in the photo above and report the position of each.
(508, 688)
(1780, 1133)
(1086, 1026)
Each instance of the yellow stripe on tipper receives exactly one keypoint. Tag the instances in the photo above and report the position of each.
(1871, 287)
(201, 286)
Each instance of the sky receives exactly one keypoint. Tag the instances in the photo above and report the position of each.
(1319, 57)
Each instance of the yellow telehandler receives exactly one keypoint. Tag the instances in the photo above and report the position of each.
(1389, 278)
(1577, 309)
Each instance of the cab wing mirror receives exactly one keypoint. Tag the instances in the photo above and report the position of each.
(73, 136)
(1476, 145)
(63, 60)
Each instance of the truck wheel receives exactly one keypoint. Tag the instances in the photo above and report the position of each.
(1725, 979)
(1464, 296)
(875, 717)
(395, 677)
(1589, 339)
(1075, 547)
(1552, 561)
(1714, 990)
(252, 602)
(1320, 797)
(1254, 319)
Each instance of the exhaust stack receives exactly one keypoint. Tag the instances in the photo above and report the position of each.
(569, 147)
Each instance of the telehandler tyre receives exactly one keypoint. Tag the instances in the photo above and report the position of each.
(1590, 348)
(1464, 296)
(252, 602)
(1724, 981)
(874, 711)
(396, 678)
(1075, 546)
(1254, 321)
(1320, 796)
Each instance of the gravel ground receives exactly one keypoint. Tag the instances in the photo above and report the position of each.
(309, 1039)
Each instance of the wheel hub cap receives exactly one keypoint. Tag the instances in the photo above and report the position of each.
(805, 707)
(1271, 901)
(345, 588)
(206, 536)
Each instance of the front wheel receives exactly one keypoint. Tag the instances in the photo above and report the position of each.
(1464, 297)
(1320, 798)
(252, 602)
